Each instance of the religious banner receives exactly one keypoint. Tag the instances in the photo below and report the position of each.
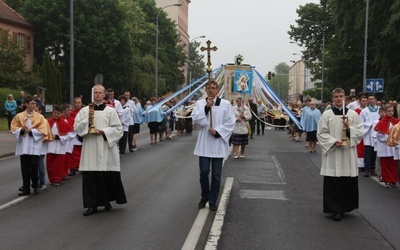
(243, 81)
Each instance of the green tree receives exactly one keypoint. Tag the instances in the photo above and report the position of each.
(195, 60)
(170, 53)
(51, 79)
(344, 26)
(280, 81)
(384, 23)
(310, 35)
(12, 62)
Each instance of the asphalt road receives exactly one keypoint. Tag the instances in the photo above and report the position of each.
(275, 203)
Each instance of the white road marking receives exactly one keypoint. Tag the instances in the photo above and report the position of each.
(216, 228)
(377, 180)
(194, 234)
(13, 202)
(195, 231)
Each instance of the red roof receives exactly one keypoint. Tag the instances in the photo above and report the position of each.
(8, 15)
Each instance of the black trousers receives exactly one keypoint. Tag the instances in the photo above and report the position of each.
(130, 137)
(252, 123)
(262, 125)
(122, 142)
(29, 170)
(369, 158)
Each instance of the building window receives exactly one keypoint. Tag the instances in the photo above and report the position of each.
(19, 38)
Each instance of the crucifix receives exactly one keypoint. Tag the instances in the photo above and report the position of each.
(208, 48)
(208, 89)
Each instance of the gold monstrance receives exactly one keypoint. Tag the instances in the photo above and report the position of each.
(92, 129)
(344, 136)
(208, 89)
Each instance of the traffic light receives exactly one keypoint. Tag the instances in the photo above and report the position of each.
(269, 75)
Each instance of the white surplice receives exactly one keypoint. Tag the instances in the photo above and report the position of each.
(99, 154)
(58, 146)
(368, 118)
(339, 161)
(223, 122)
(27, 144)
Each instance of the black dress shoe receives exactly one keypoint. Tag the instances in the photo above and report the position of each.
(202, 203)
(108, 207)
(337, 217)
(24, 193)
(36, 191)
(213, 207)
(21, 189)
(90, 211)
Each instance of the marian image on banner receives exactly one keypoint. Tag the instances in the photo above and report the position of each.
(243, 81)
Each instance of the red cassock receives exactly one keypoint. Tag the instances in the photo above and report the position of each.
(56, 162)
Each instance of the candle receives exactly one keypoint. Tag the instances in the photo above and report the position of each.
(343, 107)
(92, 94)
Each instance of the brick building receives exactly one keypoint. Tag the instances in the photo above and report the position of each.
(19, 28)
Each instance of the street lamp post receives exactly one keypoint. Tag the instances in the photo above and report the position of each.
(365, 47)
(158, 15)
(71, 52)
(188, 61)
(323, 56)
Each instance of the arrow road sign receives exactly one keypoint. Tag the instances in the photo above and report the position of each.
(374, 85)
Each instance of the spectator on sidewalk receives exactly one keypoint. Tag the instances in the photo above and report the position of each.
(10, 107)
(21, 102)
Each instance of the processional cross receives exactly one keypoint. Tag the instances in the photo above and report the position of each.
(208, 89)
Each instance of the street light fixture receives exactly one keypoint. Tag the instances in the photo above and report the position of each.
(323, 56)
(158, 15)
(188, 61)
(365, 47)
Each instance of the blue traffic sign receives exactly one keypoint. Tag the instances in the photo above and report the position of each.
(374, 85)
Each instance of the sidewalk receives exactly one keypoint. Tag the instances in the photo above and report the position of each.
(7, 144)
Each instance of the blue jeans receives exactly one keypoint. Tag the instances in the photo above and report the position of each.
(210, 193)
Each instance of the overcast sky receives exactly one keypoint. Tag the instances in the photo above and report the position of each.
(257, 29)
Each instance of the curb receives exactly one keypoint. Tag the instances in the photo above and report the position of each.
(6, 155)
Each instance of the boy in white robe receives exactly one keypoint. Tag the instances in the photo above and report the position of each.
(29, 129)
(368, 116)
(212, 142)
(339, 162)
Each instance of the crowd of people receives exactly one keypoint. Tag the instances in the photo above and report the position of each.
(360, 135)
(56, 146)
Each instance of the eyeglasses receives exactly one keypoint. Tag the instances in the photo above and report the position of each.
(32, 103)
